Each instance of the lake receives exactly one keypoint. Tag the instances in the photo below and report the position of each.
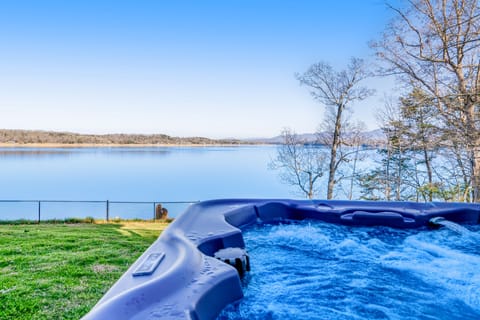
(145, 174)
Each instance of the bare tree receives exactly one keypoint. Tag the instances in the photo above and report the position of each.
(300, 164)
(349, 152)
(355, 139)
(420, 120)
(454, 174)
(398, 166)
(391, 178)
(434, 45)
(336, 90)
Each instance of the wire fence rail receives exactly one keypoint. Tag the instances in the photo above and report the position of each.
(158, 208)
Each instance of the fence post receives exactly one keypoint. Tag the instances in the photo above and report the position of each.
(108, 209)
(39, 210)
(154, 212)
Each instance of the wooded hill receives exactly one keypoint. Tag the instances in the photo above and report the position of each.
(37, 136)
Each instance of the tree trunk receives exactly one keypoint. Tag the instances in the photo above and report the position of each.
(429, 173)
(476, 173)
(463, 170)
(331, 171)
(387, 173)
(474, 136)
(333, 152)
(354, 172)
(310, 186)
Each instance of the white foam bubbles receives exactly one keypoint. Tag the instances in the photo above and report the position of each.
(315, 270)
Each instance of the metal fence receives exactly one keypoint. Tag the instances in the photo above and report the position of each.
(41, 210)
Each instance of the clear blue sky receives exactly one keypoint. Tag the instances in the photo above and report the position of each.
(221, 68)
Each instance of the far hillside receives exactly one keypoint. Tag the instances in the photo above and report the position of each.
(372, 138)
(49, 137)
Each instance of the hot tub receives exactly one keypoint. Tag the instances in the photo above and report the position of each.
(178, 277)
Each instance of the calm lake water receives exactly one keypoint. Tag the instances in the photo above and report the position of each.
(150, 174)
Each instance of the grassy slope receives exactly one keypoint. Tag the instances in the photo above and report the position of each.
(61, 271)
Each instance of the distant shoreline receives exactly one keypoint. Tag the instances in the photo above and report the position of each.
(38, 138)
(119, 145)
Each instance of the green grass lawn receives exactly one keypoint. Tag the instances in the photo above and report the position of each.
(59, 271)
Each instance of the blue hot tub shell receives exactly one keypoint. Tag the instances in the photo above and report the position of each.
(178, 278)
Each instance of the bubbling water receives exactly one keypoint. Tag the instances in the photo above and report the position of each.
(315, 270)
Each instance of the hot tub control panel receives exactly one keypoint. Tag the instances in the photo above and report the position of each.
(149, 265)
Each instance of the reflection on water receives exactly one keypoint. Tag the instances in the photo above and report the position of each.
(141, 151)
(54, 152)
(27, 152)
